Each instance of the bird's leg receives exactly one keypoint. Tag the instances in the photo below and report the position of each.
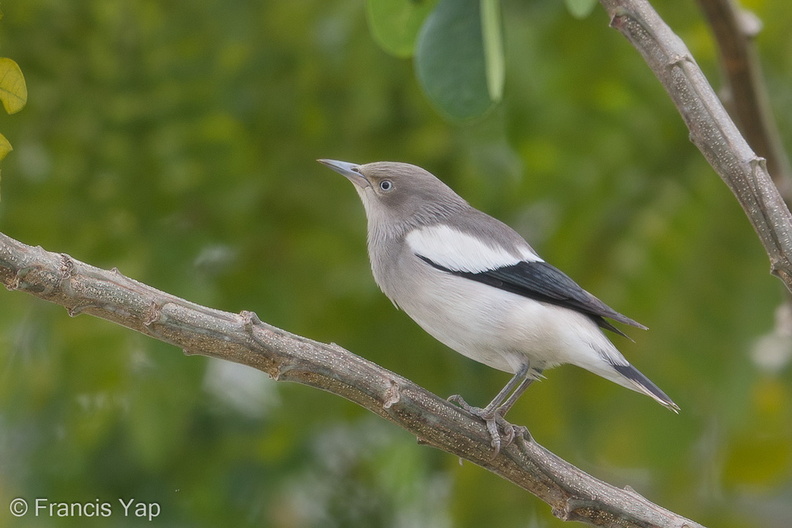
(493, 414)
(527, 379)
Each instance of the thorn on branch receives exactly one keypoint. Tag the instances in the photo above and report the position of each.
(249, 320)
(67, 266)
(629, 489)
(523, 434)
(619, 15)
(74, 311)
(392, 395)
(279, 369)
(678, 60)
(66, 271)
(152, 314)
(758, 163)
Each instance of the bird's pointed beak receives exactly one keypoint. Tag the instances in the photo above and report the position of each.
(350, 170)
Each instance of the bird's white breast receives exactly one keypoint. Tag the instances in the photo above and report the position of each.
(500, 329)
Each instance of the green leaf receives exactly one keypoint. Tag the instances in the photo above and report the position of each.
(493, 47)
(13, 92)
(395, 23)
(580, 8)
(450, 60)
(5, 147)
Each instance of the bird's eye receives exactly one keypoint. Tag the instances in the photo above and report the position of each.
(386, 185)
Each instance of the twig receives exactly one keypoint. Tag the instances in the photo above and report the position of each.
(711, 128)
(746, 93)
(243, 338)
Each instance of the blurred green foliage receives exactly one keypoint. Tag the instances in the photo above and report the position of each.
(395, 24)
(177, 141)
(13, 94)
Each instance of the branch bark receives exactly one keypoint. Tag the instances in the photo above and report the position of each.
(746, 94)
(243, 338)
(711, 128)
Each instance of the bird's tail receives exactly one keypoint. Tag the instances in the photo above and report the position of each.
(640, 383)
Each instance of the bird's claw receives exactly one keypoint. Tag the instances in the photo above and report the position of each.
(493, 419)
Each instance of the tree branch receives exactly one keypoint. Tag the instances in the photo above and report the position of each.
(243, 338)
(711, 128)
(746, 95)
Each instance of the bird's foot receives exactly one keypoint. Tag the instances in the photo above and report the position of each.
(494, 420)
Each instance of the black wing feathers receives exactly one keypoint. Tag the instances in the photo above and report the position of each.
(543, 282)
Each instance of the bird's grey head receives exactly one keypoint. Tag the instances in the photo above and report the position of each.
(399, 195)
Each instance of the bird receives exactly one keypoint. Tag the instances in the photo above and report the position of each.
(474, 284)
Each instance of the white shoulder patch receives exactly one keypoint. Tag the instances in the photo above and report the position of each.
(459, 251)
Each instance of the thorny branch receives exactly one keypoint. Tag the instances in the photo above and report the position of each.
(711, 128)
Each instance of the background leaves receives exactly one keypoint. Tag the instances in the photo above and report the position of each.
(13, 92)
(395, 24)
(459, 57)
(13, 95)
